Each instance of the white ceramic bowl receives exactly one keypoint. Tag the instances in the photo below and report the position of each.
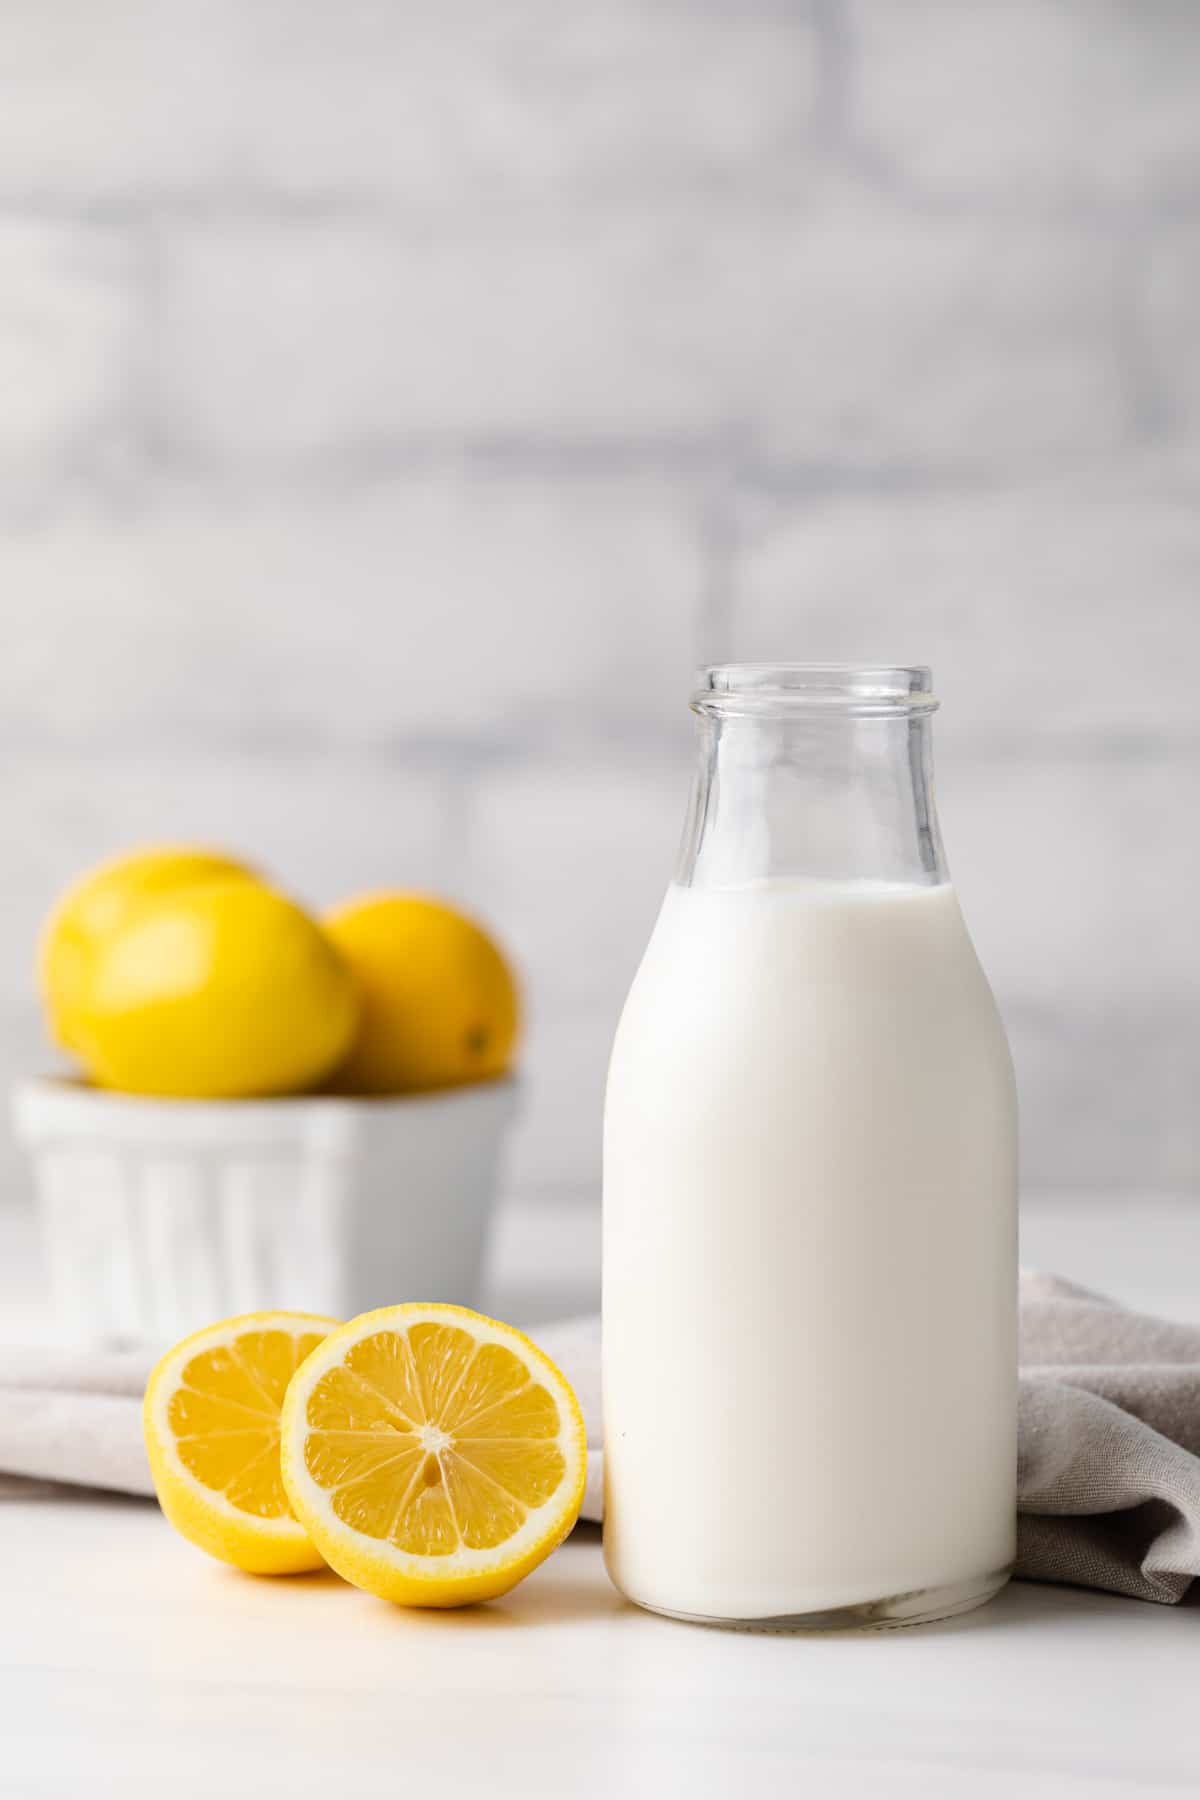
(159, 1216)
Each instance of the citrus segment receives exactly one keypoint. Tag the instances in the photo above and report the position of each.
(212, 1436)
(433, 1455)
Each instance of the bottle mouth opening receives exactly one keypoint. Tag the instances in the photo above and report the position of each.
(858, 690)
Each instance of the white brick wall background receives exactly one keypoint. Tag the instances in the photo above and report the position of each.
(398, 399)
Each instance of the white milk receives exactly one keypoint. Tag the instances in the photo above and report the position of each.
(809, 1355)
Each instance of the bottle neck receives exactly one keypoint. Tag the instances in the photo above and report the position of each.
(824, 794)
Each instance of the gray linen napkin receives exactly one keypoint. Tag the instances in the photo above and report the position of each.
(1108, 1468)
(73, 1416)
(1109, 1442)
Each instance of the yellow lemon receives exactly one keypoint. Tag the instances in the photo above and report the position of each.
(100, 901)
(439, 1002)
(433, 1456)
(211, 1417)
(223, 990)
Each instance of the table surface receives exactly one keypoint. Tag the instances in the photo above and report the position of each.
(132, 1665)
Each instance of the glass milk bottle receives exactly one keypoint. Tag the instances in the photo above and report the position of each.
(810, 1187)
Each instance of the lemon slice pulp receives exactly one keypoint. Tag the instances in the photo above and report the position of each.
(434, 1456)
(211, 1419)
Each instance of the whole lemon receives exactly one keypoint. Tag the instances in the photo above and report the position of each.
(97, 904)
(225, 989)
(439, 1001)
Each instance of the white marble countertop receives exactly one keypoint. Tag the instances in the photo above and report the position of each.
(131, 1665)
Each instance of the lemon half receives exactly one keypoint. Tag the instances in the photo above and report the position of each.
(211, 1417)
(433, 1456)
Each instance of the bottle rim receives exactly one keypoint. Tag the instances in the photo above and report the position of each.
(860, 690)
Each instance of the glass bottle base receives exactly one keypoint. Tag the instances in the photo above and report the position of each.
(921, 1607)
